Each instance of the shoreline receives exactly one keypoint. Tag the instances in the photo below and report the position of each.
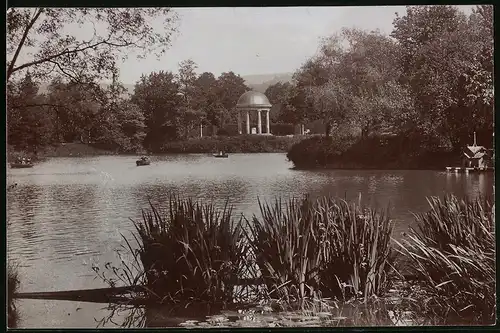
(209, 145)
(45, 156)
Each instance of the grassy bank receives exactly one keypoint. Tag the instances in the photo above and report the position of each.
(316, 255)
(396, 152)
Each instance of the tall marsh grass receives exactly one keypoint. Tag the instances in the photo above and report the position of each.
(313, 254)
(191, 253)
(12, 288)
(452, 253)
(321, 248)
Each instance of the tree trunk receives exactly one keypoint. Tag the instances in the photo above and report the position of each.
(328, 128)
(364, 133)
(365, 130)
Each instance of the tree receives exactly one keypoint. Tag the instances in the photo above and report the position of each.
(206, 98)
(371, 72)
(157, 96)
(186, 78)
(311, 100)
(123, 127)
(78, 111)
(280, 95)
(38, 40)
(447, 61)
(421, 25)
(332, 103)
(189, 114)
(30, 125)
(229, 89)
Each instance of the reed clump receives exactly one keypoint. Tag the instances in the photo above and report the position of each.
(12, 287)
(325, 248)
(312, 255)
(191, 253)
(452, 254)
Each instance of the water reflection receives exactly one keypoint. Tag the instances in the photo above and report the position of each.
(377, 313)
(67, 213)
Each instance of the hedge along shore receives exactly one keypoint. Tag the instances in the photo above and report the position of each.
(209, 144)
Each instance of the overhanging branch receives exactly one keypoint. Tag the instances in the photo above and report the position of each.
(11, 68)
(67, 52)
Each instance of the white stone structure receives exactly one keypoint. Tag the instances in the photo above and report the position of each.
(256, 102)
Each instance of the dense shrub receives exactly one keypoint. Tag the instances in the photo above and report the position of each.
(222, 132)
(283, 129)
(412, 151)
(318, 151)
(231, 144)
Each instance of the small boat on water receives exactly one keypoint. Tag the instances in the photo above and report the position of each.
(21, 165)
(143, 161)
(221, 154)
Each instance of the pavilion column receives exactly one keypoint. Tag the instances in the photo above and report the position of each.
(239, 122)
(248, 122)
(259, 122)
(268, 126)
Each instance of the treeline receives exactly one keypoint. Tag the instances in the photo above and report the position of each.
(431, 79)
(162, 107)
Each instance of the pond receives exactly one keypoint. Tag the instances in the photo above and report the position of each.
(66, 214)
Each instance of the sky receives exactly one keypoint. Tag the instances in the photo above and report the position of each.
(258, 40)
(252, 40)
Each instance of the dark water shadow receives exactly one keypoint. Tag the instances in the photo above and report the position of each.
(202, 316)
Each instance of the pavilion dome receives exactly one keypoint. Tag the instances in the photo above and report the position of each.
(253, 99)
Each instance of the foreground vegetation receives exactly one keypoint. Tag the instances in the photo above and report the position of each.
(453, 256)
(316, 257)
(12, 287)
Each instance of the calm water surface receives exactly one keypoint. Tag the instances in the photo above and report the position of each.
(68, 213)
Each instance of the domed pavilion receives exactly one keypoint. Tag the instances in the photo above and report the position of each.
(253, 101)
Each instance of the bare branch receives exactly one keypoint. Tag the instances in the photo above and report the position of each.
(47, 59)
(72, 77)
(11, 68)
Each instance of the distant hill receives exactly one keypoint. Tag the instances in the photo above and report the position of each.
(261, 82)
(44, 87)
(258, 82)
